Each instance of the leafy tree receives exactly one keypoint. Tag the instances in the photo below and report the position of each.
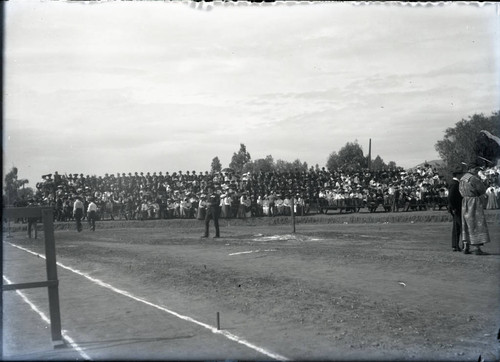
(460, 143)
(299, 166)
(15, 188)
(26, 193)
(333, 162)
(378, 164)
(487, 148)
(392, 165)
(281, 166)
(216, 165)
(349, 158)
(260, 165)
(10, 188)
(285, 166)
(240, 159)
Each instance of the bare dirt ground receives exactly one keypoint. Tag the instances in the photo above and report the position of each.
(377, 290)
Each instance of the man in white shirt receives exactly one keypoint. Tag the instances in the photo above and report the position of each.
(279, 204)
(185, 208)
(287, 206)
(92, 214)
(78, 212)
(226, 203)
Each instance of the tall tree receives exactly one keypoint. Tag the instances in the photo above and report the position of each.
(10, 185)
(349, 158)
(26, 193)
(240, 159)
(333, 162)
(378, 164)
(460, 142)
(392, 165)
(299, 166)
(281, 166)
(260, 165)
(14, 187)
(216, 166)
(285, 166)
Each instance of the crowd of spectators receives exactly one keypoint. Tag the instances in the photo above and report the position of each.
(182, 194)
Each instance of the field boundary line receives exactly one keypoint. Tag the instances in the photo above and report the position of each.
(214, 330)
(47, 320)
(251, 251)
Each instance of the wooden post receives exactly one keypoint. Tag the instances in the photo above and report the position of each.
(9, 235)
(370, 155)
(52, 283)
(53, 290)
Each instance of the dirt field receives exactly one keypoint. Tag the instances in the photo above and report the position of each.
(375, 290)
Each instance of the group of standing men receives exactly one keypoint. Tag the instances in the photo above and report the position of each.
(78, 212)
(466, 206)
(212, 212)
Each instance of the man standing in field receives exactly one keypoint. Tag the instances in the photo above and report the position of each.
(474, 227)
(78, 212)
(455, 209)
(212, 212)
(92, 214)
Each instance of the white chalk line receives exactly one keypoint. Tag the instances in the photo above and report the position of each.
(250, 251)
(286, 237)
(183, 317)
(47, 320)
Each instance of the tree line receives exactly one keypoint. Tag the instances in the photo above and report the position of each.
(462, 144)
(349, 158)
(241, 162)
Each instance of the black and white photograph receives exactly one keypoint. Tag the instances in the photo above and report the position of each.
(250, 180)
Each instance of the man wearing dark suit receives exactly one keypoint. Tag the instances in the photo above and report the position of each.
(455, 208)
(212, 212)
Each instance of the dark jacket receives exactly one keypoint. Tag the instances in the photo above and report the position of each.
(213, 200)
(454, 198)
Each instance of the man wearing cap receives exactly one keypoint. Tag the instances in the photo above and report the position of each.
(474, 227)
(455, 208)
(78, 212)
(212, 212)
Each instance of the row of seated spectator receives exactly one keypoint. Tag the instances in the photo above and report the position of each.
(181, 195)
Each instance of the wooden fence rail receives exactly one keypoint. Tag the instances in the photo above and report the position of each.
(52, 283)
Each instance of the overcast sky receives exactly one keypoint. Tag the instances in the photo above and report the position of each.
(156, 86)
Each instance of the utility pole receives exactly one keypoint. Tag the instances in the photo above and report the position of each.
(370, 155)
